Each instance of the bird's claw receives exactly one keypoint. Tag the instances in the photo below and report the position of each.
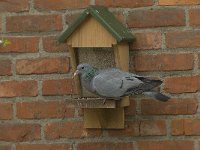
(104, 101)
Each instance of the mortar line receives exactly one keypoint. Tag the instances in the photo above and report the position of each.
(31, 7)
(196, 145)
(92, 2)
(187, 18)
(14, 111)
(13, 146)
(3, 23)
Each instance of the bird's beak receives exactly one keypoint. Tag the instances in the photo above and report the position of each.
(76, 73)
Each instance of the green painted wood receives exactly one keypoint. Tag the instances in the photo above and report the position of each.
(106, 18)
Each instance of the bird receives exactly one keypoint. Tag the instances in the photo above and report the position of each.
(113, 83)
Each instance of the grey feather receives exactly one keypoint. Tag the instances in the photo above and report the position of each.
(114, 83)
(157, 95)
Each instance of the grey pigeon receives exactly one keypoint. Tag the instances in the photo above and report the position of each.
(114, 83)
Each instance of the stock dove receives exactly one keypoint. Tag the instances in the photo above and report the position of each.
(114, 83)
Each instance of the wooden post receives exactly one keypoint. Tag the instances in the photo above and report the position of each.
(73, 58)
(108, 118)
(121, 52)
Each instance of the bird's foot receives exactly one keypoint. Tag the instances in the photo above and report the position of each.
(104, 101)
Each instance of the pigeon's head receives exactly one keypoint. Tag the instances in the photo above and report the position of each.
(83, 68)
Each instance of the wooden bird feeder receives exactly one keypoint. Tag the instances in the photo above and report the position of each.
(96, 27)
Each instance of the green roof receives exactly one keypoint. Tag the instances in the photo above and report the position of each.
(108, 21)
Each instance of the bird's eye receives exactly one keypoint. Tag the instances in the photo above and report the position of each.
(82, 67)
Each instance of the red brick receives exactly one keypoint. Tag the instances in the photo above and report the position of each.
(179, 2)
(60, 4)
(127, 3)
(164, 62)
(187, 84)
(71, 17)
(43, 147)
(34, 23)
(191, 126)
(18, 88)
(105, 146)
(6, 111)
(5, 147)
(194, 15)
(165, 145)
(185, 127)
(5, 67)
(172, 107)
(148, 40)
(183, 39)
(57, 87)
(14, 6)
(92, 132)
(41, 110)
(153, 127)
(177, 127)
(119, 16)
(19, 132)
(156, 18)
(21, 44)
(42, 65)
(51, 44)
(131, 109)
(56, 130)
(131, 129)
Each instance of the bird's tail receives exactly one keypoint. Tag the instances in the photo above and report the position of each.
(155, 83)
(150, 84)
(157, 95)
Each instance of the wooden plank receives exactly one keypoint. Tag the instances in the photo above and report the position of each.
(90, 103)
(121, 52)
(73, 59)
(91, 34)
(108, 118)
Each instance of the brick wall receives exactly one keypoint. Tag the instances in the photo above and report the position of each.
(36, 78)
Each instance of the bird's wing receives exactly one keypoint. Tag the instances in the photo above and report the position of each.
(114, 82)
